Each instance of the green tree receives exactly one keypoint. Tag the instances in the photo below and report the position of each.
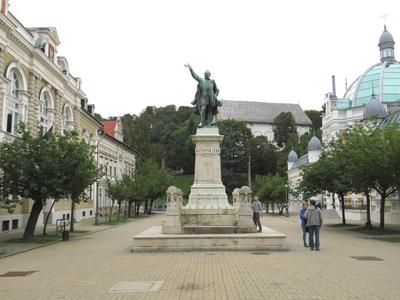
(284, 125)
(316, 119)
(234, 153)
(272, 191)
(116, 191)
(80, 168)
(327, 174)
(263, 156)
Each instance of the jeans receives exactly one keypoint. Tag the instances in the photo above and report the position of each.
(303, 227)
(314, 231)
(256, 220)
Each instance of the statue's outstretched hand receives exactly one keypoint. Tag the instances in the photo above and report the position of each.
(188, 66)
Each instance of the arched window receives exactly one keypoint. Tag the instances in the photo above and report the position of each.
(68, 120)
(13, 102)
(45, 109)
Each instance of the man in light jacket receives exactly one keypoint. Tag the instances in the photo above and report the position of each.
(257, 213)
(314, 223)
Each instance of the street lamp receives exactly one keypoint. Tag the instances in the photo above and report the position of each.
(96, 219)
(287, 200)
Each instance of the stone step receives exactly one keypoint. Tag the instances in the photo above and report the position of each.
(196, 229)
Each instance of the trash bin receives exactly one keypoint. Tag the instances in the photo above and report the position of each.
(65, 235)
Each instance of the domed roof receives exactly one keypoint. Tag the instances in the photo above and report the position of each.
(292, 157)
(359, 93)
(314, 144)
(386, 39)
(375, 108)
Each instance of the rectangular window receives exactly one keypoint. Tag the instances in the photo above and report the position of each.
(15, 224)
(115, 171)
(68, 216)
(9, 122)
(91, 212)
(6, 225)
(84, 214)
(51, 52)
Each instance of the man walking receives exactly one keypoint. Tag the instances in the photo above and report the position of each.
(257, 213)
(314, 223)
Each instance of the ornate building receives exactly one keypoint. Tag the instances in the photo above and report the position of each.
(38, 89)
(375, 93)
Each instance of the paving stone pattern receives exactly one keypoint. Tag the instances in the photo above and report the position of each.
(89, 268)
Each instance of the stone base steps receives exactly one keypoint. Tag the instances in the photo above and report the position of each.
(153, 240)
(190, 229)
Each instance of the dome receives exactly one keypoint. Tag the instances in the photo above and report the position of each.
(314, 144)
(375, 109)
(292, 157)
(386, 39)
(386, 80)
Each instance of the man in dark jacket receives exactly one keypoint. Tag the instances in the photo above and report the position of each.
(304, 223)
(314, 223)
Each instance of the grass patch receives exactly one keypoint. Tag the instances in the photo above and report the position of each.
(340, 225)
(391, 239)
(375, 231)
(114, 222)
(39, 239)
(80, 231)
(2, 252)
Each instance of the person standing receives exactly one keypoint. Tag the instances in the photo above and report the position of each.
(314, 223)
(257, 213)
(304, 223)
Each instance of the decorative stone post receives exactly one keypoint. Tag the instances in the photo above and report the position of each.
(245, 222)
(172, 221)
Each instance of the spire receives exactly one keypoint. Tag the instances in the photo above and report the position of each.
(386, 46)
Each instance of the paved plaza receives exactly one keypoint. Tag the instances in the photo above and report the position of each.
(100, 265)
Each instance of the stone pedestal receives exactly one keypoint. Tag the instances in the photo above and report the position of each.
(208, 203)
(172, 221)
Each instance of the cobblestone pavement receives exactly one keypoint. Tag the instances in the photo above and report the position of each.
(89, 267)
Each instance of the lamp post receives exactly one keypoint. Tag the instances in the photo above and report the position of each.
(287, 200)
(96, 219)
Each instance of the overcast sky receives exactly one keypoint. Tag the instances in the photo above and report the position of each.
(131, 54)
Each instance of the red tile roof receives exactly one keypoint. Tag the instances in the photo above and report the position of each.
(109, 127)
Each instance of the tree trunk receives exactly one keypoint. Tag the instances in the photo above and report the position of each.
(125, 209)
(47, 218)
(33, 217)
(341, 199)
(129, 209)
(368, 223)
(146, 206)
(71, 227)
(111, 210)
(119, 209)
(333, 201)
(134, 209)
(151, 205)
(382, 212)
(137, 208)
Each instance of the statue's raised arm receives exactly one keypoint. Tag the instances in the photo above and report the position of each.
(194, 75)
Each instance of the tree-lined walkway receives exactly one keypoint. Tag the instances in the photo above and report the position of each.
(89, 267)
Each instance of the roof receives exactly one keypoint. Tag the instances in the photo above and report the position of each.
(292, 157)
(375, 108)
(109, 127)
(260, 112)
(359, 92)
(301, 161)
(314, 144)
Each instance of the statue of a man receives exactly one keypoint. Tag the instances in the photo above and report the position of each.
(206, 97)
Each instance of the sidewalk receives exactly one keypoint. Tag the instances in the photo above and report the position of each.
(101, 266)
(11, 248)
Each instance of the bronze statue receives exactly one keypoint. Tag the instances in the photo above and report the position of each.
(206, 98)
